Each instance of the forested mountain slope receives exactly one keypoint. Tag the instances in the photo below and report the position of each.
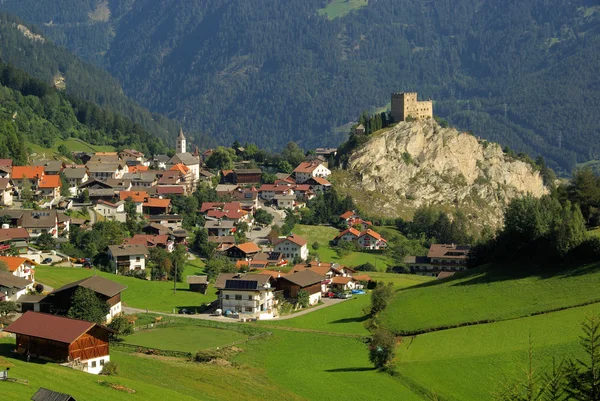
(26, 48)
(522, 73)
(31, 111)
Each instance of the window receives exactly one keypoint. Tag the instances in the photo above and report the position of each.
(249, 297)
(101, 362)
(227, 296)
(137, 258)
(248, 309)
(93, 364)
(238, 297)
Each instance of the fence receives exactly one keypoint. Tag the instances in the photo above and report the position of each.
(153, 325)
(251, 338)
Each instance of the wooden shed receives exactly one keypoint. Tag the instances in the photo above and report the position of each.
(62, 339)
(198, 283)
(43, 394)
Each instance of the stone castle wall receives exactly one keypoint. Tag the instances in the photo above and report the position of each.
(406, 104)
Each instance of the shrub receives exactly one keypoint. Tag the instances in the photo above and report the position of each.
(303, 298)
(110, 369)
(39, 288)
(382, 347)
(205, 356)
(315, 245)
(366, 267)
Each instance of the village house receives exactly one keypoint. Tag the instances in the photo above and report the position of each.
(7, 192)
(247, 176)
(348, 235)
(206, 177)
(20, 267)
(37, 222)
(79, 344)
(128, 257)
(318, 184)
(285, 201)
(131, 154)
(75, 177)
(190, 161)
(12, 287)
(165, 190)
(326, 152)
(6, 168)
(348, 216)
(32, 174)
(245, 251)
(51, 167)
(370, 239)
(119, 184)
(141, 180)
(309, 281)
(291, 247)
(248, 198)
(137, 197)
(183, 174)
(49, 186)
(269, 191)
(307, 170)
(225, 190)
(152, 241)
(156, 206)
(342, 284)
(17, 237)
(219, 228)
(222, 242)
(107, 290)
(111, 211)
(171, 221)
(103, 171)
(226, 211)
(449, 257)
(250, 294)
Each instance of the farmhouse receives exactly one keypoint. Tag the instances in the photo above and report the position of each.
(128, 257)
(292, 284)
(12, 287)
(291, 247)
(245, 251)
(75, 177)
(171, 221)
(307, 170)
(79, 343)
(7, 192)
(107, 290)
(449, 257)
(152, 241)
(248, 294)
(339, 283)
(111, 211)
(219, 228)
(349, 234)
(17, 237)
(370, 239)
(49, 186)
(31, 174)
(247, 176)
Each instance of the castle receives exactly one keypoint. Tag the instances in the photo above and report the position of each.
(405, 104)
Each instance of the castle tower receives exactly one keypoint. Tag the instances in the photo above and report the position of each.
(405, 104)
(181, 142)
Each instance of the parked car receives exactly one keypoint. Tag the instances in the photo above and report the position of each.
(329, 294)
(358, 292)
(186, 312)
(344, 295)
(47, 261)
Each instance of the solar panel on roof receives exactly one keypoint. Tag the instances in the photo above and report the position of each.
(241, 285)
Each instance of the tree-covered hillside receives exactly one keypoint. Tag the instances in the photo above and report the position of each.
(31, 111)
(522, 73)
(26, 48)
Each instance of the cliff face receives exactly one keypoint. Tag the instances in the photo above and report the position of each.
(421, 163)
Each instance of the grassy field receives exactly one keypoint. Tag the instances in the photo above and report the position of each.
(490, 353)
(153, 378)
(324, 234)
(490, 294)
(152, 295)
(72, 144)
(339, 8)
(322, 367)
(185, 338)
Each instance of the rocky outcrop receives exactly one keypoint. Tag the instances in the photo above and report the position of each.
(421, 163)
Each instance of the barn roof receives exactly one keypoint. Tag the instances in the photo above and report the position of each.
(43, 394)
(49, 327)
(97, 284)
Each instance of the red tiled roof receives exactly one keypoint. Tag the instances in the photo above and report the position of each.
(296, 239)
(248, 247)
(13, 262)
(362, 277)
(347, 215)
(350, 230)
(306, 167)
(136, 196)
(30, 172)
(6, 162)
(170, 189)
(218, 214)
(274, 188)
(10, 233)
(450, 251)
(50, 327)
(156, 202)
(182, 168)
(139, 168)
(373, 234)
(50, 181)
(341, 280)
(321, 181)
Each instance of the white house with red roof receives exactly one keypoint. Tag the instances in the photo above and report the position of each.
(20, 267)
(370, 239)
(269, 191)
(309, 169)
(291, 246)
(349, 234)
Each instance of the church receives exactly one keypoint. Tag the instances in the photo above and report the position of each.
(192, 161)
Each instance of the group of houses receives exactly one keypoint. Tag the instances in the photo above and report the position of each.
(44, 332)
(255, 295)
(359, 233)
(442, 260)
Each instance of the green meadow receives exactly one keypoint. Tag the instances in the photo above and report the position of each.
(152, 295)
(72, 144)
(324, 234)
(490, 293)
(339, 8)
(471, 363)
(184, 338)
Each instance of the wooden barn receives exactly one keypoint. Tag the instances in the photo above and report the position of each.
(83, 345)
(43, 394)
(198, 283)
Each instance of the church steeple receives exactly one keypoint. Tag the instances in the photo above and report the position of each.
(181, 142)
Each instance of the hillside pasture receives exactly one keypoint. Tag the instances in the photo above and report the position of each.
(184, 338)
(471, 363)
(72, 145)
(490, 293)
(324, 234)
(339, 8)
(152, 295)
